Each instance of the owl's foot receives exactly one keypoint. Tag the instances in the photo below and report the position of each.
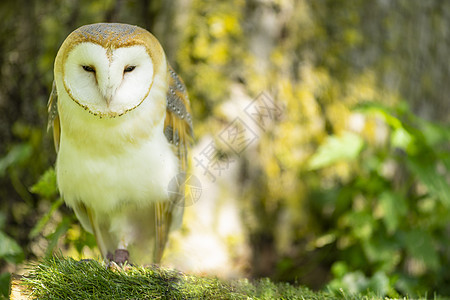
(109, 256)
(118, 260)
(121, 256)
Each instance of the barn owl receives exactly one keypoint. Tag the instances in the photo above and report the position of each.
(121, 125)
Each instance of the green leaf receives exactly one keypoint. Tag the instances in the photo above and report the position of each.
(435, 134)
(53, 238)
(5, 279)
(86, 239)
(420, 246)
(436, 183)
(2, 219)
(335, 149)
(401, 138)
(379, 283)
(17, 154)
(380, 110)
(46, 186)
(44, 220)
(384, 252)
(339, 269)
(10, 250)
(361, 223)
(355, 282)
(393, 208)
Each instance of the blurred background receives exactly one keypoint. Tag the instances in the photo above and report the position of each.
(321, 147)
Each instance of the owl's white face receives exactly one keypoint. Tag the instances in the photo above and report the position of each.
(108, 82)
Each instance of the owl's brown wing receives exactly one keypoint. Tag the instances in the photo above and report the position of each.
(178, 131)
(178, 122)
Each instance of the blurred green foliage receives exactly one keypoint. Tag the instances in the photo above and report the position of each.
(349, 189)
(389, 219)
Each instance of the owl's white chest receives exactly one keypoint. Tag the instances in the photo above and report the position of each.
(109, 163)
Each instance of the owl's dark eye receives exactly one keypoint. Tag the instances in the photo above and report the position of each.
(129, 69)
(89, 69)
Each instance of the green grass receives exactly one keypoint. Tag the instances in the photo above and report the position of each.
(66, 278)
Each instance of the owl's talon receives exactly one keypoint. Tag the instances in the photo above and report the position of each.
(109, 256)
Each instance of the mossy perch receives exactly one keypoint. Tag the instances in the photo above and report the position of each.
(66, 278)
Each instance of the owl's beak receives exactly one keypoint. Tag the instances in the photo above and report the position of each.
(107, 86)
(108, 95)
(108, 100)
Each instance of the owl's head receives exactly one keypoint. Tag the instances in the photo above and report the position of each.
(108, 68)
